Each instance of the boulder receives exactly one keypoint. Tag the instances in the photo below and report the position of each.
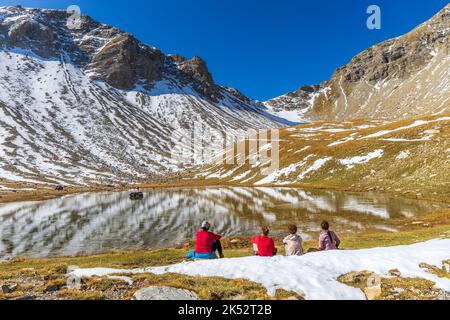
(136, 196)
(51, 288)
(74, 282)
(373, 293)
(6, 289)
(164, 293)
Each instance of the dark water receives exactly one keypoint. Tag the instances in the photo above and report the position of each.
(98, 222)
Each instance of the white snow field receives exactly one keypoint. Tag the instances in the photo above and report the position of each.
(315, 274)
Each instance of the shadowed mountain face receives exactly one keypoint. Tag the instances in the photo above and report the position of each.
(396, 79)
(94, 104)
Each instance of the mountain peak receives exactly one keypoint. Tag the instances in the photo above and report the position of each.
(105, 53)
(94, 104)
(379, 82)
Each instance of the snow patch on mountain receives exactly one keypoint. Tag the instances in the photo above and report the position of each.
(314, 167)
(351, 162)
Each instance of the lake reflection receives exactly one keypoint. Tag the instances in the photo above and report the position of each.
(98, 222)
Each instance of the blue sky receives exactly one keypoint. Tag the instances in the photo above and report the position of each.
(261, 47)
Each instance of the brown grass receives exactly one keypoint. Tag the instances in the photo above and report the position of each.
(423, 175)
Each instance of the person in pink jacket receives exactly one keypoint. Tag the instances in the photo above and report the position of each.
(328, 239)
(293, 243)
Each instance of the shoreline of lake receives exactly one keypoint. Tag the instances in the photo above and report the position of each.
(22, 192)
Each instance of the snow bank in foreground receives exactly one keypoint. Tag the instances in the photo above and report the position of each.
(315, 274)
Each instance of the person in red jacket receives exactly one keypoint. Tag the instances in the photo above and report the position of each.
(208, 242)
(263, 245)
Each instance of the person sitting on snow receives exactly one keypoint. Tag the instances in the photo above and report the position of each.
(328, 239)
(264, 246)
(207, 243)
(293, 243)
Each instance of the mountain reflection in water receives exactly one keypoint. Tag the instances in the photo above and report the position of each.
(97, 222)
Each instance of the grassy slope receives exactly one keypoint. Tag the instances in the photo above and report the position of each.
(424, 173)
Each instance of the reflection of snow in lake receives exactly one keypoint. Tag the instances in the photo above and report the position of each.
(98, 222)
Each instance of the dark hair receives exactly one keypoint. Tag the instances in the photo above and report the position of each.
(292, 229)
(265, 231)
(206, 226)
(325, 225)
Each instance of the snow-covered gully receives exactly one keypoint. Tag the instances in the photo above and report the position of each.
(314, 275)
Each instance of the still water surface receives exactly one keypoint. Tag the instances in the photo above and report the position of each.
(98, 222)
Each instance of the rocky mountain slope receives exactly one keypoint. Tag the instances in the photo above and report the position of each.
(95, 104)
(399, 78)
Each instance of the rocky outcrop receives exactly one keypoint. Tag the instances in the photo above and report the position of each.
(196, 71)
(297, 100)
(104, 53)
(164, 293)
(399, 78)
(27, 33)
(124, 62)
